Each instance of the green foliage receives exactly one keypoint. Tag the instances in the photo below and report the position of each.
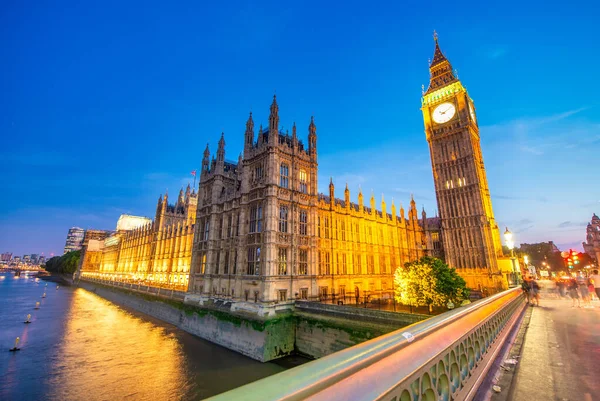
(429, 281)
(66, 263)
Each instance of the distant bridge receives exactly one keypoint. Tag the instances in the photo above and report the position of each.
(443, 358)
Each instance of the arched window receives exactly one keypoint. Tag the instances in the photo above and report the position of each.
(284, 173)
(303, 179)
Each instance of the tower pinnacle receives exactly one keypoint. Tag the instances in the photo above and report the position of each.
(440, 69)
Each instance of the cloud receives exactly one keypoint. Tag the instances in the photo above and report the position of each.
(524, 222)
(542, 199)
(496, 53)
(531, 150)
(537, 135)
(522, 230)
(568, 224)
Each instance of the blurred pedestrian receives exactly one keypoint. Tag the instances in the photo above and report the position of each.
(561, 285)
(572, 287)
(583, 289)
(534, 292)
(595, 280)
(526, 288)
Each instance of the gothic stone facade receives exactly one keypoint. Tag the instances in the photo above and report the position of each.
(592, 244)
(470, 233)
(264, 236)
(156, 253)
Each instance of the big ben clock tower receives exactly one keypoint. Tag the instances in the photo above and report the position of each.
(469, 231)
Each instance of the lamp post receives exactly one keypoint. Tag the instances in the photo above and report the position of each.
(508, 238)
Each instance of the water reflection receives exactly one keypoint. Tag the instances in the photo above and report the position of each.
(81, 347)
(116, 355)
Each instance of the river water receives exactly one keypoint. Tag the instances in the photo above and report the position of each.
(81, 347)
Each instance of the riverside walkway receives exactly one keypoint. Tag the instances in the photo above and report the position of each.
(560, 359)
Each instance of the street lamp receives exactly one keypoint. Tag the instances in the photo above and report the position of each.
(508, 238)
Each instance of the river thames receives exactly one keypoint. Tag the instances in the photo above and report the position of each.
(81, 347)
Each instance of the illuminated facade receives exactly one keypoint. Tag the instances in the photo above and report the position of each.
(592, 244)
(155, 252)
(469, 231)
(264, 236)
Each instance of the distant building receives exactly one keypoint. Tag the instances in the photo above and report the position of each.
(6, 257)
(74, 239)
(16, 259)
(35, 258)
(128, 222)
(592, 244)
(158, 252)
(26, 258)
(41, 259)
(99, 235)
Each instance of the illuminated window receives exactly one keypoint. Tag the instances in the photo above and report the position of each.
(326, 227)
(370, 264)
(283, 219)
(303, 222)
(383, 267)
(358, 265)
(303, 262)
(203, 262)
(343, 231)
(282, 261)
(344, 268)
(284, 171)
(302, 179)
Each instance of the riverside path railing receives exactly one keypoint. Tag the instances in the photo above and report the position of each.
(443, 358)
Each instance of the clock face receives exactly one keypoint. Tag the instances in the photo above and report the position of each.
(472, 112)
(444, 113)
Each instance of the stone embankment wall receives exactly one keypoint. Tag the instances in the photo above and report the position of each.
(314, 330)
(323, 329)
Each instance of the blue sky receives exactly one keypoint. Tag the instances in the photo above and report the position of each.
(105, 105)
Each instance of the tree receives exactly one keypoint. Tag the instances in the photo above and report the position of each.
(429, 281)
(66, 263)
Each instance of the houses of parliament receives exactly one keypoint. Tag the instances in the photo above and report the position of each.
(263, 236)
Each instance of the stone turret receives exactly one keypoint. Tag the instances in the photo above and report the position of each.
(249, 135)
(205, 161)
(312, 138)
(347, 196)
(331, 192)
(361, 206)
(274, 122)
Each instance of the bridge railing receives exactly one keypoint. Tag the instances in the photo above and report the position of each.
(443, 358)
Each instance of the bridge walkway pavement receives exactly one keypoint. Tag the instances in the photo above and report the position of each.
(560, 357)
